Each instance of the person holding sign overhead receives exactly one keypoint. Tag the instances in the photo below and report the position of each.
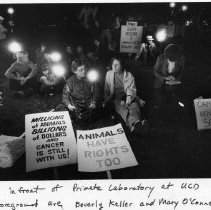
(120, 93)
(168, 72)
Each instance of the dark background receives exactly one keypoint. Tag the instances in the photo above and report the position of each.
(171, 149)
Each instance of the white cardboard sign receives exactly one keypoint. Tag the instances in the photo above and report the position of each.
(104, 149)
(50, 140)
(131, 37)
(203, 113)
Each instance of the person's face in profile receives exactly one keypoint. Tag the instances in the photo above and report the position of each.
(116, 66)
(80, 72)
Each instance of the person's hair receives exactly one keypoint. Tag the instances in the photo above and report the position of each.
(77, 63)
(173, 52)
(122, 62)
(116, 58)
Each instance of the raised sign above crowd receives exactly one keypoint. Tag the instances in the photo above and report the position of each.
(131, 37)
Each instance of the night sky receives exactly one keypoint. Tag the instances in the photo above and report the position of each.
(57, 21)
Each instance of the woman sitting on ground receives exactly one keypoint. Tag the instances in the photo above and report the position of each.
(120, 93)
(80, 97)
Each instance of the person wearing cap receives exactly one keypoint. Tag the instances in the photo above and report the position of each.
(147, 51)
(3, 30)
(21, 74)
(168, 73)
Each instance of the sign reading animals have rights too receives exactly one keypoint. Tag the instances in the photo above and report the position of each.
(50, 140)
(104, 149)
(131, 37)
(203, 113)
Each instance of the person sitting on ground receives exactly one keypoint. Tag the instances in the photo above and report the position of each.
(168, 73)
(22, 74)
(120, 93)
(80, 96)
(49, 83)
(147, 52)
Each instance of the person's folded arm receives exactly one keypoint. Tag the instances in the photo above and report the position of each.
(11, 73)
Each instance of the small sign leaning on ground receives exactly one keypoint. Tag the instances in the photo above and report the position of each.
(50, 140)
(104, 149)
(203, 113)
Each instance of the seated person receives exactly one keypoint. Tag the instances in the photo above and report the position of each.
(147, 52)
(48, 81)
(120, 92)
(79, 95)
(22, 74)
(168, 72)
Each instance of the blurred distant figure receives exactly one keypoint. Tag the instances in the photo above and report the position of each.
(80, 54)
(147, 51)
(168, 73)
(3, 30)
(90, 23)
(39, 53)
(1, 99)
(49, 83)
(22, 74)
(88, 16)
(69, 56)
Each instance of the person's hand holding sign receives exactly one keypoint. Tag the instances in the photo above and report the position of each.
(71, 108)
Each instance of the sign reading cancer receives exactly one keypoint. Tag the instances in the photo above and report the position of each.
(104, 149)
(203, 113)
(131, 37)
(50, 140)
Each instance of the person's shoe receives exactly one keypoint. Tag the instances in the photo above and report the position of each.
(140, 127)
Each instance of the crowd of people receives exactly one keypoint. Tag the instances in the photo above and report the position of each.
(82, 97)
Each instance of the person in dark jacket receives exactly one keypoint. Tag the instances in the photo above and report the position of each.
(80, 97)
(168, 74)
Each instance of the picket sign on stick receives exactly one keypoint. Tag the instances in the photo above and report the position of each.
(203, 113)
(109, 174)
(104, 149)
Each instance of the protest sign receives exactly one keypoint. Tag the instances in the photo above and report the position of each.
(104, 149)
(131, 37)
(203, 113)
(50, 140)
